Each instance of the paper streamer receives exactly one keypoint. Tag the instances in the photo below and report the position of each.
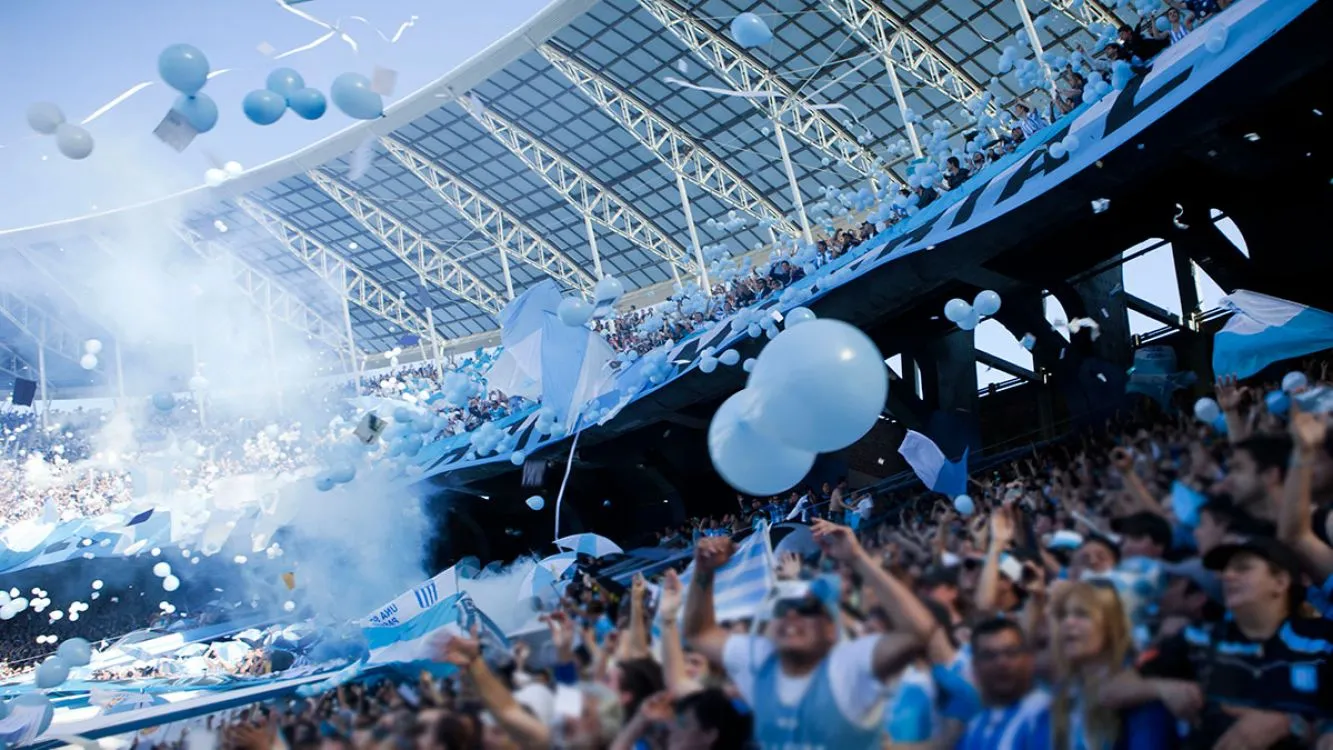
(404, 26)
(750, 94)
(333, 28)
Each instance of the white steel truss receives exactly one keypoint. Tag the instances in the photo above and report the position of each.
(49, 333)
(510, 235)
(1085, 13)
(360, 289)
(676, 149)
(736, 66)
(590, 197)
(270, 297)
(424, 257)
(894, 40)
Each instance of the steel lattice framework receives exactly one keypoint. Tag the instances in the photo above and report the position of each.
(590, 197)
(809, 123)
(420, 254)
(892, 38)
(510, 235)
(1085, 13)
(672, 146)
(360, 289)
(268, 296)
(46, 330)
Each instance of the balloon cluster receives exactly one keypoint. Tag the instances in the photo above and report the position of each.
(91, 348)
(749, 30)
(214, 176)
(817, 387)
(457, 388)
(547, 422)
(73, 141)
(574, 311)
(607, 290)
(488, 438)
(966, 316)
(184, 68)
(283, 89)
(1063, 147)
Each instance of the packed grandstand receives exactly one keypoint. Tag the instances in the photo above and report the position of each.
(240, 562)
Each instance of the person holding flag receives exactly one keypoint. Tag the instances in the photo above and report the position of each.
(808, 688)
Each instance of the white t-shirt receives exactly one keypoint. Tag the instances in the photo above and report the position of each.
(865, 508)
(857, 691)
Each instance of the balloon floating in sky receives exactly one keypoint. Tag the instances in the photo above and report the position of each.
(308, 104)
(607, 290)
(748, 459)
(749, 30)
(214, 177)
(574, 311)
(797, 316)
(986, 303)
(536, 502)
(964, 505)
(164, 401)
(45, 117)
(284, 82)
(76, 652)
(263, 107)
(92, 346)
(73, 141)
(88, 361)
(198, 109)
(353, 94)
(183, 67)
(819, 386)
(51, 673)
(956, 310)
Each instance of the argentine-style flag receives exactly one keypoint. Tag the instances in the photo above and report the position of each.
(931, 467)
(413, 602)
(741, 587)
(413, 641)
(592, 545)
(1264, 330)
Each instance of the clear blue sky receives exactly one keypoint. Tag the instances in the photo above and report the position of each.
(80, 54)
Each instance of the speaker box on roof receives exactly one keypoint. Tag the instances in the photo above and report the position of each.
(24, 391)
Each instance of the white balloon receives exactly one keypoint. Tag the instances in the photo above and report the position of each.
(88, 361)
(161, 570)
(214, 177)
(171, 583)
(964, 505)
(748, 459)
(92, 346)
(233, 168)
(73, 141)
(45, 117)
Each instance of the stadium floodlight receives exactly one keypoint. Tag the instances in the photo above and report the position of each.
(676, 149)
(593, 200)
(507, 232)
(765, 90)
(357, 287)
(411, 247)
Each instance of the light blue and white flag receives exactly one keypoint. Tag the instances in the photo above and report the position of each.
(931, 467)
(1264, 330)
(413, 641)
(741, 587)
(416, 600)
(592, 545)
(575, 368)
(542, 582)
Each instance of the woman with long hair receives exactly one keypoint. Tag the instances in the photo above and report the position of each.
(1091, 643)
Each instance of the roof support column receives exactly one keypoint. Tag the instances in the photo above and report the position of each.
(272, 350)
(120, 375)
(41, 375)
(791, 180)
(902, 103)
(355, 361)
(694, 236)
(1036, 45)
(592, 246)
(504, 268)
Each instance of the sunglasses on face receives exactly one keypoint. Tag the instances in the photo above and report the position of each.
(1012, 652)
(807, 607)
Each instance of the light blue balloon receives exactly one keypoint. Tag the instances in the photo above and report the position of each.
(574, 311)
(754, 330)
(343, 473)
(263, 107)
(749, 30)
(75, 652)
(748, 365)
(308, 104)
(536, 502)
(1206, 410)
(352, 94)
(324, 483)
(517, 458)
(402, 415)
(607, 290)
(284, 82)
(956, 309)
(970, 321)
(183, 67)
(964, 505)
(707, 364)
(199, 110)
(797, 316)
(164, 401)
(1278, 404)
(987, 303)
(748, 459)
(51, 673)
(729, 358)
(819, 386)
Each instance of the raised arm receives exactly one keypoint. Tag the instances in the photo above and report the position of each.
(635, 646)
(678, 685)
(1308, 433)
(701, 629)
(527, 730)
(988, 584)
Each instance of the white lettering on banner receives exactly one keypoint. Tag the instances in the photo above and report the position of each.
(1184, 69)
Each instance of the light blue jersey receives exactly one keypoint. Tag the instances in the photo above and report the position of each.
(1013, 727)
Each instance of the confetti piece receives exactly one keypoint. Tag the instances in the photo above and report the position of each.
(383, 81)
(175, 131)
(1100, 205)
(402, 27)
(359, 164)
(1101, 377)
(266, 49)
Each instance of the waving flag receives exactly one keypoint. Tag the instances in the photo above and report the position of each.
(591, 545)
(931, 467)
(413, 640)
(1264, 330)
(741, 587)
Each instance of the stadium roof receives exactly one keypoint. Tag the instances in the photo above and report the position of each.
(574, 122)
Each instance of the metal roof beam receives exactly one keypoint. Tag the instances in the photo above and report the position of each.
(680, 152)
(424, 257)
(745, 73)
(1007, 367)
(895, 41)
(46, 330)
(513, 237)
(590, 197)
(342, 275)
(267, 295)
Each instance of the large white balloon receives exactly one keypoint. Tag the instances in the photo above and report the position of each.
(751, 461)
(88, 361)
(73, 141)
(92, 346)
(45, 117)
(819, 386)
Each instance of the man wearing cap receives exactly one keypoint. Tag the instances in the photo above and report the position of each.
(1193, 594)
(1263, 677)
(808, 689)
(1143, 534)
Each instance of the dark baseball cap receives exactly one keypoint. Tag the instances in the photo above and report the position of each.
(1266, 547)
(1147, 524)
